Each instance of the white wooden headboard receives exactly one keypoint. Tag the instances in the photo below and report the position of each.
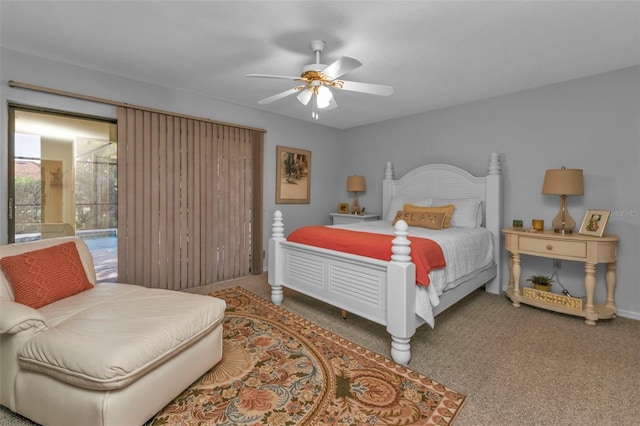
(446, 181)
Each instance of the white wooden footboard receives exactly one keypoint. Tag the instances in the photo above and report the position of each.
(381, 291)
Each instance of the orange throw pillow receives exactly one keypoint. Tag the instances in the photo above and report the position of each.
(447, 210)
(44, 276)
(423, 220)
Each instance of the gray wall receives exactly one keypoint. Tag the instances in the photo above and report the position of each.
(590, 123)
(322, 141)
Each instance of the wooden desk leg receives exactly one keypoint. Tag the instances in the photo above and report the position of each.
(515, 273)
(510, 284)
(589, 287)
(610, 280)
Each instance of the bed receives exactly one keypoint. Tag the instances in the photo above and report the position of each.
(385, 291)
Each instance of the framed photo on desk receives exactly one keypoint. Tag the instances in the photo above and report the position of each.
(594, 222)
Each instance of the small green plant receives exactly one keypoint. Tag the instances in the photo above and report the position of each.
(540, 279)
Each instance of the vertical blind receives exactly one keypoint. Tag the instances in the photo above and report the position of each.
(189, 200)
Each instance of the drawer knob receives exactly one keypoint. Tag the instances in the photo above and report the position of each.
(549, 247)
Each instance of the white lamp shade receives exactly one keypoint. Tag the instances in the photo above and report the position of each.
(324, 96)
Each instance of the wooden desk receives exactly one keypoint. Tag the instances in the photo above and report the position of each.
(576, 247)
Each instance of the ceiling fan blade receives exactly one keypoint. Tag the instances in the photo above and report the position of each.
(305, 96)
(341, 67)
(372, 89)
(273, 76)
(278, 96)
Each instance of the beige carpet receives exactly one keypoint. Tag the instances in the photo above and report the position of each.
(517, 366)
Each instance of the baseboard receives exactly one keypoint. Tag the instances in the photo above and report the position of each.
(628, 314)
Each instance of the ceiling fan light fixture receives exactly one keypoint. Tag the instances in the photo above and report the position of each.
(305, 95)
(323, 97)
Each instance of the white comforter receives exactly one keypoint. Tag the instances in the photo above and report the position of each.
(466, 251)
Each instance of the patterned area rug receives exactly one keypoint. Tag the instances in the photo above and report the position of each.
(279, 369)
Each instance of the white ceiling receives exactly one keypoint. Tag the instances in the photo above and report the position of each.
(435, 53)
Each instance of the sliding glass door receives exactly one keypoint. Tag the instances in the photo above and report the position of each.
(63, 181)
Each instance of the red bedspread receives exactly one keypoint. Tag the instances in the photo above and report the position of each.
(425, 254)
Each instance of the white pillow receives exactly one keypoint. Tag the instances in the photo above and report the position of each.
(467, 214)
(397, 203)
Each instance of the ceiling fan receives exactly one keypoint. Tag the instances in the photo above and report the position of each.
(318, 80)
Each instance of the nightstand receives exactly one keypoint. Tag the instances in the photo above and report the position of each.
(581, 248)
(342, 219)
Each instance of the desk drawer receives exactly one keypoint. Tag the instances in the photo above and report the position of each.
(550, 247)
(345, 220)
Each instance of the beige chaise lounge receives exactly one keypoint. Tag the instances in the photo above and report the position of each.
(114, 354)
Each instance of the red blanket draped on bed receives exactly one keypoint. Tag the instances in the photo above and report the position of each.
(426, 254)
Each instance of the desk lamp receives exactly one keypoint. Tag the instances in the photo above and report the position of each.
(563, 182)
(356, 184)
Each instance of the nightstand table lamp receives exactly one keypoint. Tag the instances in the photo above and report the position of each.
(563, 182)
(356, 184)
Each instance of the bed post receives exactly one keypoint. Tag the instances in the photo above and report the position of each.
(275, 264)
(401, 295)
(493, 216)
(387, 189)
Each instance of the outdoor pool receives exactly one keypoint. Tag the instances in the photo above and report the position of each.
(101, 242)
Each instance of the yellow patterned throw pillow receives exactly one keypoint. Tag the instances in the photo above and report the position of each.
(447, 210)
(423, 220)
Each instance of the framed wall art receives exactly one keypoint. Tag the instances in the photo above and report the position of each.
(293, 176)
(594, 222)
